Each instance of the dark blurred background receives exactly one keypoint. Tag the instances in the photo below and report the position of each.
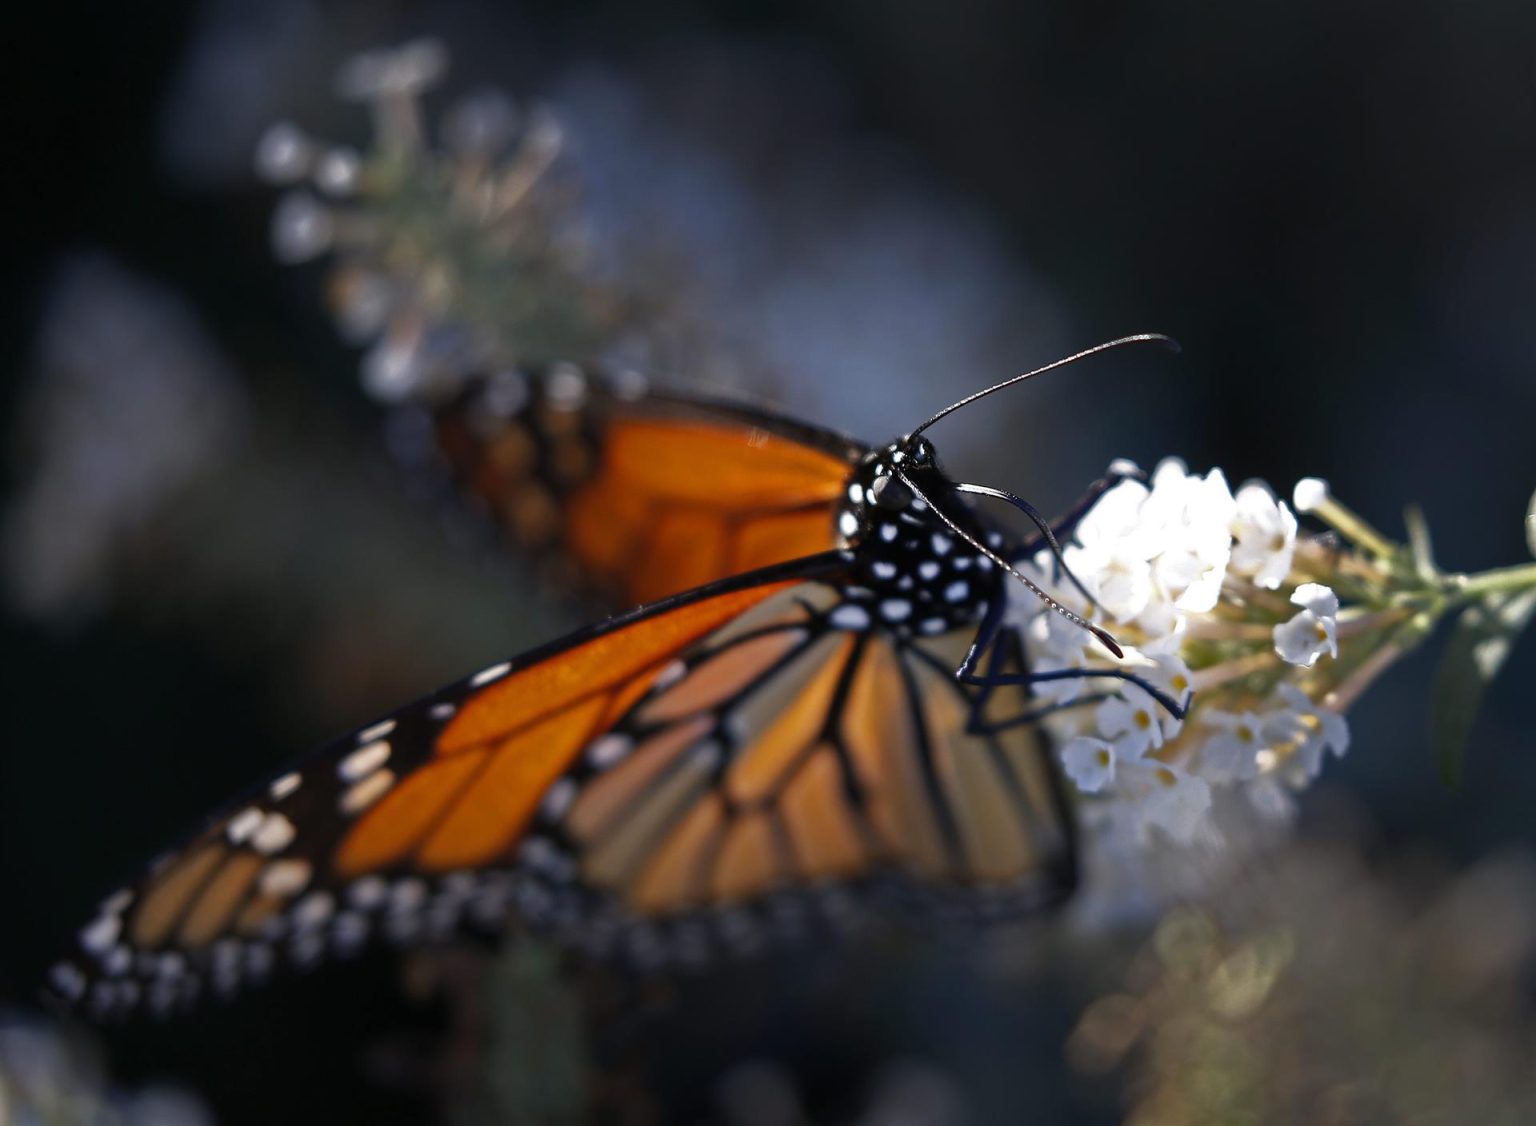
(1331, 205)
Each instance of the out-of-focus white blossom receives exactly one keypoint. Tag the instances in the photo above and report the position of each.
(1230, 753)
(1168, 799)
(1313, 729)
(48, 1076)
(1135, 722)
(129, 401)
(1314, 631)
(1089, 762)
(403, 71)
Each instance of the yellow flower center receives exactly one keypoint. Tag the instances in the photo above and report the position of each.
(1143, 720)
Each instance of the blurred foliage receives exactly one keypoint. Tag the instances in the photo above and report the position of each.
(50, 1077)
(1317, 991)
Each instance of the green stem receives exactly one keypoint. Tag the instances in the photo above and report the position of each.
(1466, 588)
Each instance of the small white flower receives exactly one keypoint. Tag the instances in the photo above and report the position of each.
(1317, 728)
(1310, 494)
(1265, 531)
(284, 154)
(1314, 631)
(1120, 580)
(1163, 624)
(302, 228)
(393, 71)
(1191, 576)
(1113, 525)
(1231, 752)
(1192, 511)
(1172, 675)
(1170, 799)
(1134, 721)
(1089, 762)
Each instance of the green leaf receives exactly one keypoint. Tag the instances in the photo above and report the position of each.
(1530, 524)
(1479, 644)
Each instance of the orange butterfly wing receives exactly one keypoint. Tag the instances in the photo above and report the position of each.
(693, 775)
(635, 495)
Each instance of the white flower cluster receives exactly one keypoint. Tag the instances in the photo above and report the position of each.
(1193, 580)
(445, 254)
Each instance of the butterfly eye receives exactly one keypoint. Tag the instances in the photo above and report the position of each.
(922, 452)
(889, 493)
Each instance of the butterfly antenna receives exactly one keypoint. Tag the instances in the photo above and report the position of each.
(1140, 338)
(1105, 638)
(1039, 522)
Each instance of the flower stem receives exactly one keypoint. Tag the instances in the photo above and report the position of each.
(1469, 587)
(1341, 697)
(1354, 528)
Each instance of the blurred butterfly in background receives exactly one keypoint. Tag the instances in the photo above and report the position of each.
(815, 710)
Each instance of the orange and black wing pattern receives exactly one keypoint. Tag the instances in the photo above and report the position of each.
(709, 774)
(633, 495)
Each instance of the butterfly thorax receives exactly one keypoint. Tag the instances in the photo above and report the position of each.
(916, 573)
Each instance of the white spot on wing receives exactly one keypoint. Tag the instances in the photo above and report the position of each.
(928, 570)
(101, 934)
(366, 792)
(670, 675)
(285, 785)
(608, 750)
(848, 523)
(566, 386)
(558, 799)
(368, 892)
(850, 615)
(895, 609)
(377, 731)
(116, 902)
(956, 592)
(243, 824)
(363, 761)
(275, 833)
(286, 877)
(485, 676)
(314, 909)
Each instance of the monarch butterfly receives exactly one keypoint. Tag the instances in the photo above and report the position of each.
(816, 705)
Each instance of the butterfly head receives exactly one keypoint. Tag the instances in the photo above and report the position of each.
(912, 565)
(891, 487)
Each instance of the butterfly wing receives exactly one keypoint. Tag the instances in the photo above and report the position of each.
(696, 774)
(636, 495)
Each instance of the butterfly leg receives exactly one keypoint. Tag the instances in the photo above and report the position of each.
(1065, 524)
(989, 643)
